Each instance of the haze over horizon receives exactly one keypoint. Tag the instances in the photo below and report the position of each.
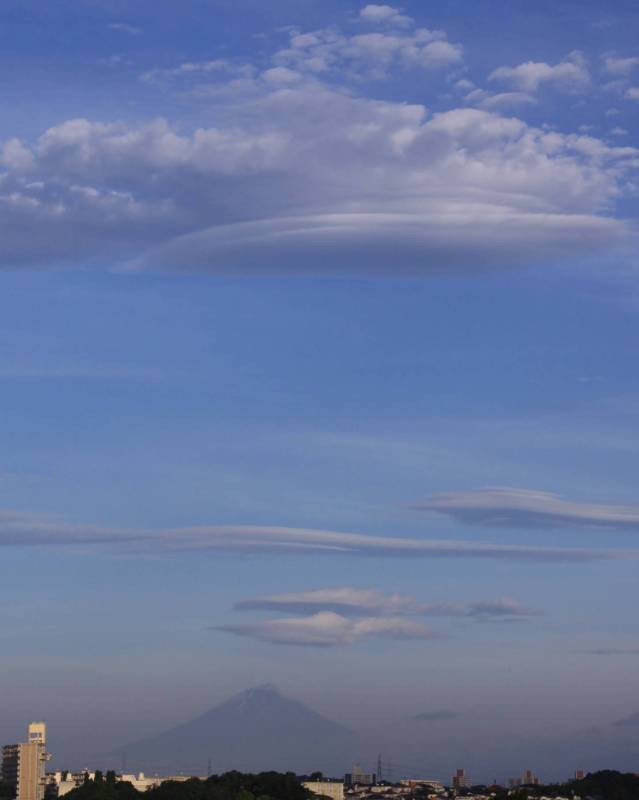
(318, 347)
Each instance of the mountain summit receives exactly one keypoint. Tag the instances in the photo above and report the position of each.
(258, 729)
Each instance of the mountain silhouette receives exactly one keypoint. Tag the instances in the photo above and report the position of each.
(256, 730)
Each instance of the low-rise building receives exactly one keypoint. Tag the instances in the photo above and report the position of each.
(332, 789)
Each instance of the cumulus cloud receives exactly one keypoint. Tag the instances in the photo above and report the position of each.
(571, 74)
(328, 629)
(328, 52)
(302, 174)
(28, 530)
(620, 66)
(387, 15)
(507, 507)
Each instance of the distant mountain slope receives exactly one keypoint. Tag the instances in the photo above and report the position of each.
(256, 730)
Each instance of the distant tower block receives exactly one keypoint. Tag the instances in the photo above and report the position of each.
(23, 764)
(461, 780)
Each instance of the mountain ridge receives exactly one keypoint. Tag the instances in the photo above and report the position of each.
(254, 730)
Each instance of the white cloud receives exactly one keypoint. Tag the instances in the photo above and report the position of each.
(124, 27)
(570, 74)
(281, 75)
(492, 101)
(632, 93)
(498, 507)
(386, 15)
(330, 52)
(350, 602)
(346, 601)
(328, 629)
(302, 175)
(199, 69)
(32, 530)
(620, 66)
(16, 155)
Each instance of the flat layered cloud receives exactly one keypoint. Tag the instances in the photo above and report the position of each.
(348, 601)
(19, 529)
(328, 629)
(305, 173)
(505, 507)
(505, 607)
(346, 616)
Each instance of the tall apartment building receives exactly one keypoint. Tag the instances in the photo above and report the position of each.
(23, 764)
(461, 780)
(528, 778)
(359, 778)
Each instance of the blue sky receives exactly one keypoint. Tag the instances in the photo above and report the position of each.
(330, 307)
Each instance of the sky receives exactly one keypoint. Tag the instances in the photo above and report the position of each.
(318, 337)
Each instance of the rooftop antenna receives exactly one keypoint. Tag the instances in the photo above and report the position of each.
(379, 767)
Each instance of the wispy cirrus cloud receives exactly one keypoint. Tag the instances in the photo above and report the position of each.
(197, 70)
(328, 629)
(508, 507)
(124, 27)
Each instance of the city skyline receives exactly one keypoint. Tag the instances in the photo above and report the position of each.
(23, 768)
(318, 335)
